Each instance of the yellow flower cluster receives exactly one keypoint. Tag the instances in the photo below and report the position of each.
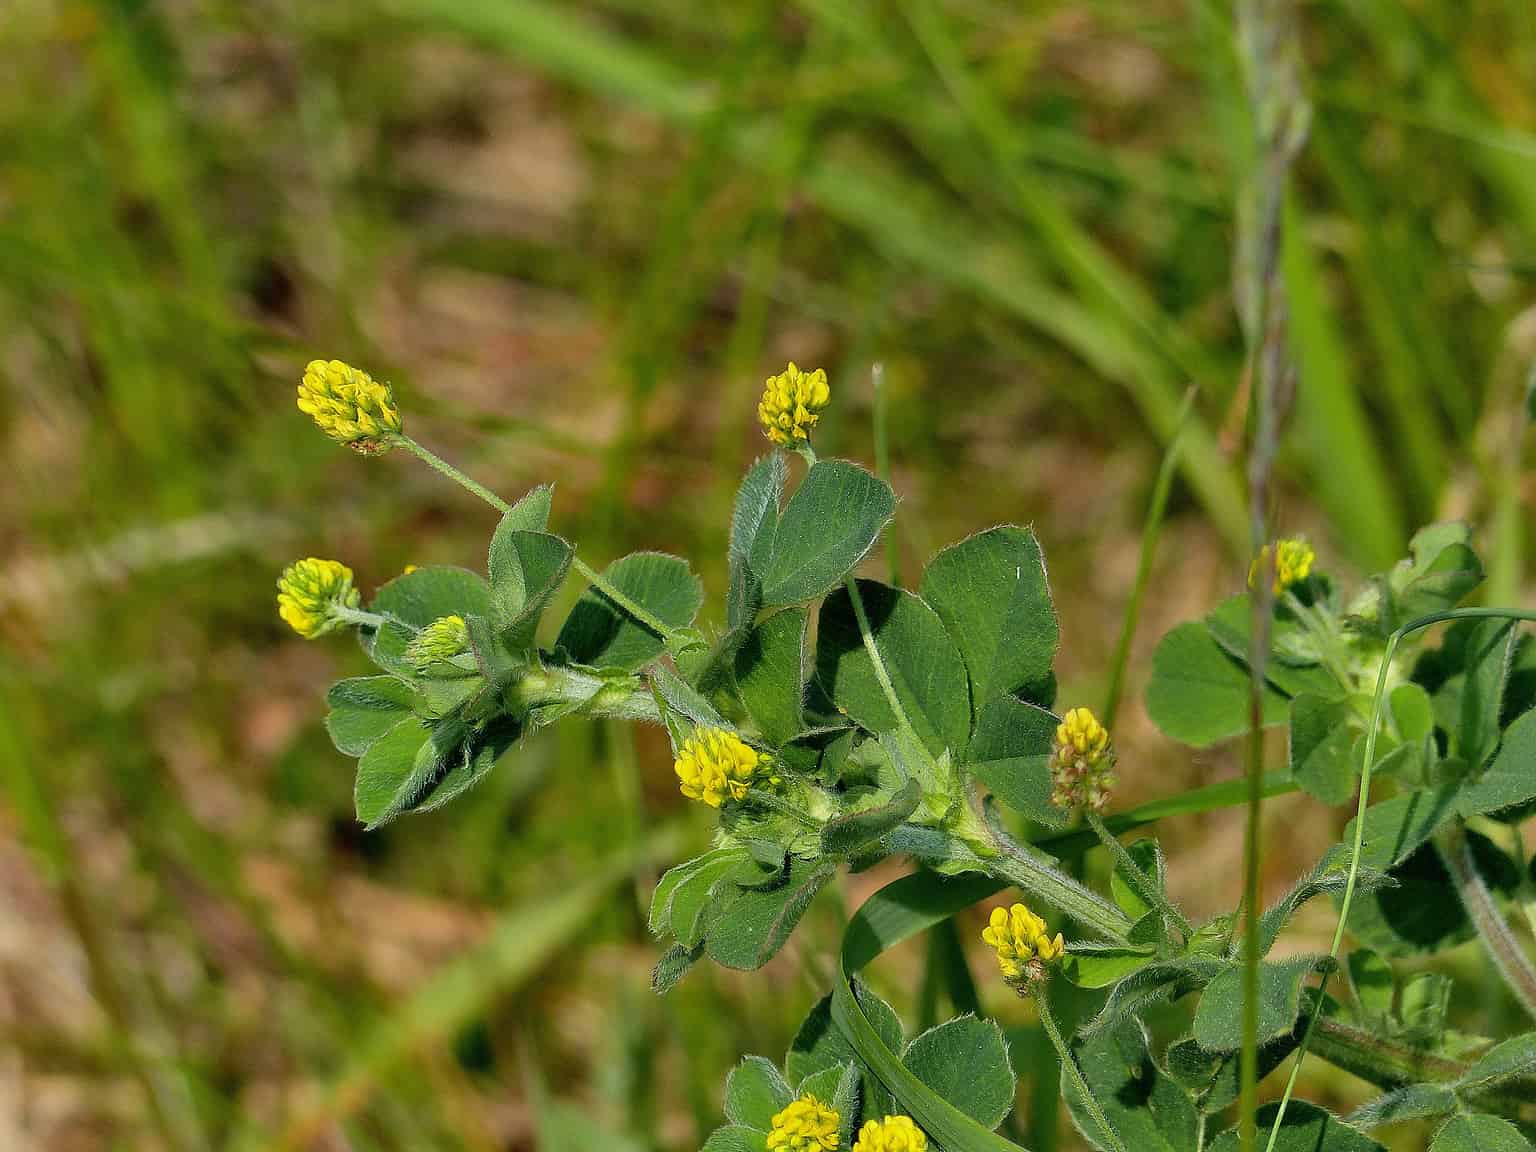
(349, 405)
(893, 1134)
(1082, 762)
(443, 639)
(1290, 561)
(715, 765)
(308, 592)
(1023, 948)
(792, 403)
(806, 1125)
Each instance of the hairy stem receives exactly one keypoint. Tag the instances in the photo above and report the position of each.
(1508, 956)
(641, 616)
(1069, 1062)
(585, 694)
(1036, 876)
(1135, 877)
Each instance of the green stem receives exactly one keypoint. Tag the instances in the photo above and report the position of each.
(1069, 1062)
(1035, 876)
(1150, 532)
(1378, 700)
(363, 619)
(1507, 954)
(640, 615)
(1135, 877)
(583, 694)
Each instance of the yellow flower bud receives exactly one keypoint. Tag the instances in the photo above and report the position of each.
(892, 1134)
(309, 591)
(715, 765)
(792, 403)
(349, 405)
(1082, 763)
(440, 641)
(1290, 561)
(1023, 948)
(805, 1125)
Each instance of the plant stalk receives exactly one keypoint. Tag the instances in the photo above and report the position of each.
(1069, 1062)
(1034, 876)
(1501, 944)
(1135, 877)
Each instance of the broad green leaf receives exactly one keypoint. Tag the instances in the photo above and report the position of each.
(849, 833)
(601, 634)
(735, 1138)
(1323, 733)
(965, 1061)
(1514, 1059)
(1090, 965)
(1489, 654)
(427, 594)
(1152, 984)
(754, 522)
(1511, 779)
(990, 591)
(919, 656)
(1218, 1019)
(1213, 1078)
(1372, 982)
(1149, 1111)
(1231, 625)
(1441, 569)
(1306, 1128)
(1413, 714)
(770, 674)
(673, 966)
(1398, 825)
(531, 512)
(666, 887)
(1148, 856)
(1198, 694)
(1410, 1102)
(829, 524)
(820, 1045)
(754, 1092)
(364, 709)
(1330, 875)
(391, 774)
(1420, 914)
(526, 571)
(710, 887)
(1473, 1132)
(464, 766)
(1011, 755)
(753, 927)
(676, 698)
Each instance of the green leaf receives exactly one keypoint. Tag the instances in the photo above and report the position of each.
(1231, 625)
(673, 966)
(754, 522)
(753, 927)
(364, 709)
(675, 697)
(1476, 1133)
(1490, 653)
(1213, 1078)
(460, 768)
(1323, 734)
(849, 833)
(391, 773)
(770, 675)
(1306, 1128)
(1152, 984)
(1441, 569)
(713, 879)
(1410, 1102)
(828, 526)
(820, 1045)
(990, 591)
(754, 1092)
(1398, 825)
(1372, 982)
(1508, 781)
(1514, 1059)
(1330, 875)
(920, 658)
(427, 594)
(1148, 856)
(1198, 694)
(1011, 754)
(1150, 1112)
(1420, 914)
(965, 1061)
(600, 634)
(531, 512)
(1090, 965)
(735, 1138)
(1218, 1019)
(526, 570)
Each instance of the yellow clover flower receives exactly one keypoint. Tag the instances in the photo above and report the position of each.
(792, 403)
(1023, 948)
(1290, 560)
(805, 1125)
(1082, 762)
(309, 591)
(893, 1134)
(715, 765)
(349, 405)
(441, 640)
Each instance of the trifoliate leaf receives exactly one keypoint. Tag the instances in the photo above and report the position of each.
(829, 524)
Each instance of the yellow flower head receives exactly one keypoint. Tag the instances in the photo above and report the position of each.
(792, 403)
(1082, 764)
(349, 405)
(893, 1134)
(1290, 560)
(1023, 948)
(806, 1125)
(310, 590)
(441, 640)
(715, 765)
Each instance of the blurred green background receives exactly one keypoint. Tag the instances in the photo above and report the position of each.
(577, 236)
